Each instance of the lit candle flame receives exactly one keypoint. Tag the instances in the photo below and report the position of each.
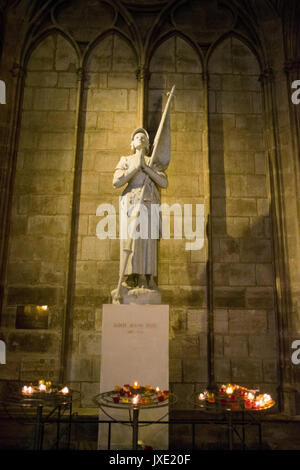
(229, 390)
(42, 387)
(201, 396)
(157, 389)
(136, 385)
(65, 390)
(135, 400)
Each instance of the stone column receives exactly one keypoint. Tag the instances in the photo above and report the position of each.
(283, 301)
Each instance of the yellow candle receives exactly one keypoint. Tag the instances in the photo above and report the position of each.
(157, 389)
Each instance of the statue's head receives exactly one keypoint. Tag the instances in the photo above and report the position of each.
(140, 140)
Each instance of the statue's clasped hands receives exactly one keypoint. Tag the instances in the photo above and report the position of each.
(140, 160)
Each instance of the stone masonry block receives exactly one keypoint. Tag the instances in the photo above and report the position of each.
(108, 100)
(81, 369)
(260, 297)
(50, 225)
(189, 101)
(236, 346)
(175, 370)
(56, 141)
(122, 80)
(250, 321)
(67, 80)
(105, 119)
(33, 342)
(51, 99)
(229, 250)
(221, 321)
(256, 250)
(90, 344)
(242, 274)
(262, 345)
(182, 391)
(270, 371)
(264, 274)
(194, 370)
(197, 320)
(246, 370)
(222, 370)
(234, 102)
(241, 207)
(42, 57)
(41, 79)
(95, 249)
(34, 295)
(229, 297)
(187, 60)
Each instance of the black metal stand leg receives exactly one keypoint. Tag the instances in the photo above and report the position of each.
(259, 436)
(70, 424)
(58, 427)
(230, 433)
(109, 436)
(244, 434)
(38, 428)
(135, 428)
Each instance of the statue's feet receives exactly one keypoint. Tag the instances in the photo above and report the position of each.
(151, 283)
(142, 282)
(131, 282)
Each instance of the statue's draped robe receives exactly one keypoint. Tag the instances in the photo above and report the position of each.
(143, 259)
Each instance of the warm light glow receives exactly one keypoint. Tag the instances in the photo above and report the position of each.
(65, 390)
(136, 385)
(29, 390)
(250, 396)
(42, 387)
(201, 396)
(25, 389)
(267, 398)
(157, 389)
(135, 400)
(42, 381)
(229, 390)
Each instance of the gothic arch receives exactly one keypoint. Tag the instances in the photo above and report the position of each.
(243, 39)
(177, 34)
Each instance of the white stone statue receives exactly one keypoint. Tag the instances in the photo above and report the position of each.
(139, 210)
(143, 183)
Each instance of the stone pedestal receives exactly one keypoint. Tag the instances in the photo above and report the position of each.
(138, 295)
(135, 347)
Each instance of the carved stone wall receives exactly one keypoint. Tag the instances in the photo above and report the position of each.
(83, 77)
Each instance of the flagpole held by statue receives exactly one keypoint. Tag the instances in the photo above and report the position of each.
(144, 177)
